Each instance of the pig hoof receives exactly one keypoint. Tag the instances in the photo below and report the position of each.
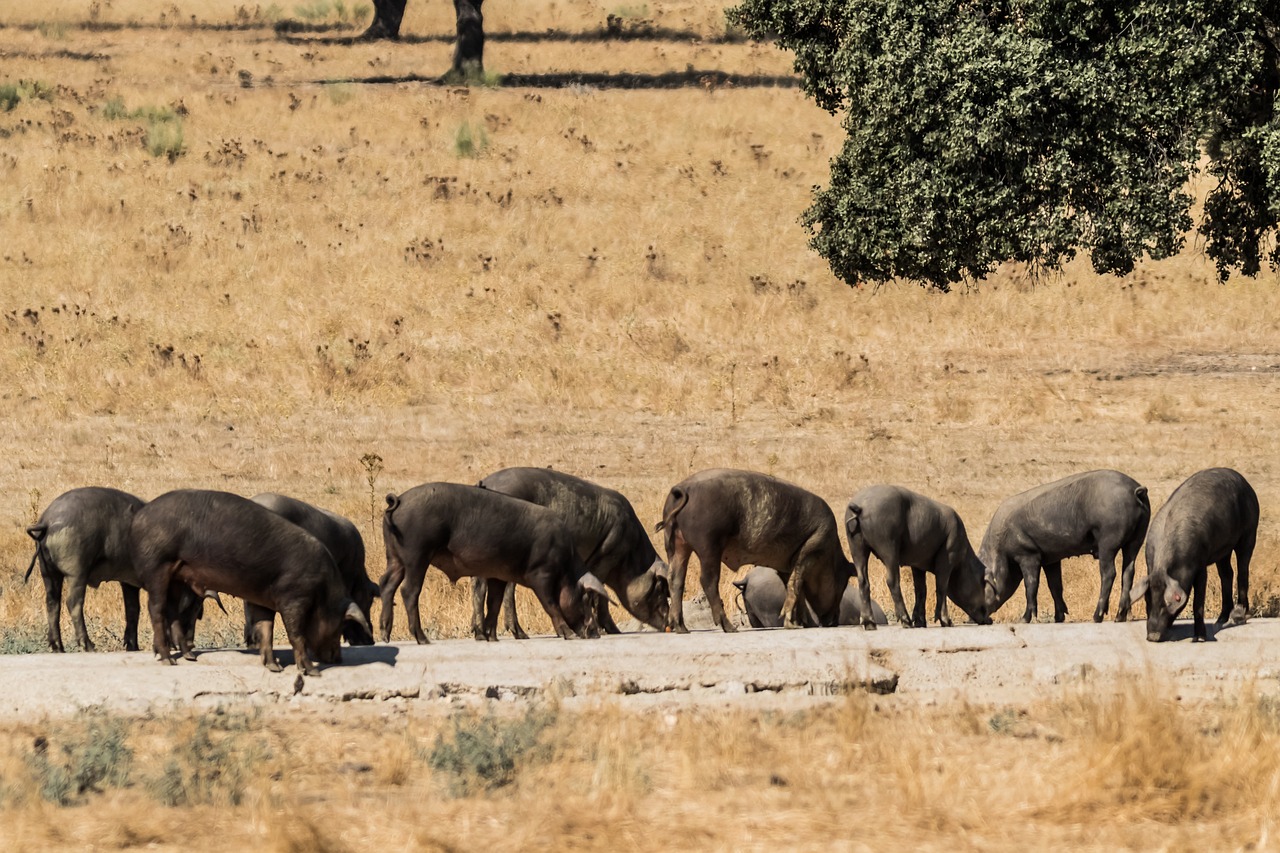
(188, 655)
(1239, 616)
(1198, 639)
(520, 635)
(1097, 616)
(89, 646)
(868, 626)
(679, 629)
(274, 666)
(728, 627)
(1122, 617)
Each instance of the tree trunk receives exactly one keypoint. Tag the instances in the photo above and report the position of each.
(468, 50)
(386, 20)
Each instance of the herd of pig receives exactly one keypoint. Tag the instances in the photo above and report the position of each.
(573, 542)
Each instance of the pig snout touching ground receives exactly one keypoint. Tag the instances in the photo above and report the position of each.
(1213, 514)
(1103, 513)
(467, 531)
(902, 528)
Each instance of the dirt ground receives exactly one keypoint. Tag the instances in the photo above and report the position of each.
(776, 669)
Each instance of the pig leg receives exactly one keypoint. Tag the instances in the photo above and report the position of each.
(942, 587)
(250, 629)
(495, 590)
(1126, 582)
(410, 593)
(1053, 577)
(132, 608)
(53, 607)
(157, 599)
(861, 556)
(263, 621)
(710, 577)
(920, 591)
(1197, 605)
(1225, 576)
(75, 607)
(893, 578)
(548, 596)
(298, 639)
(678, 561)
(511, 620)
(479, 591)
(387, 586)
(1031, 583)
(1244, 553)
(603, 617)
(1107, 568)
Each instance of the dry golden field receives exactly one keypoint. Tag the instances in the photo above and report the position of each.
(227, 261)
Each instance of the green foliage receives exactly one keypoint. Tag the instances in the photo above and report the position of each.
(212, 765)
(87, 755)
(468, 143)
(485, 752)
(164, 127)
(19, 640)
(321, 10)
(1030, 130)
(24, 90)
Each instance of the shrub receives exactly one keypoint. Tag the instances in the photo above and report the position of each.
(484, 753)
(212, 765)
(469, 144)
(93, 754)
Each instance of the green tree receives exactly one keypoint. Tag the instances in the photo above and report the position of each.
(980, 131)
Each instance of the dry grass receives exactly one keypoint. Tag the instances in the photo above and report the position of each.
(1133, 768)
(615, 286)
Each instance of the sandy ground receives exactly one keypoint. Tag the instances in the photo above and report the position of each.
(771, 668)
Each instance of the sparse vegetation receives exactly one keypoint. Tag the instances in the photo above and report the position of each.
(614, 289)
(468, 142)
(484, 752)
(84, 755)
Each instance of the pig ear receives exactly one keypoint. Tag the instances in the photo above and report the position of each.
(353, 614)
(591, 582)
(1175, 598)
(1139, 588)
(661, 569)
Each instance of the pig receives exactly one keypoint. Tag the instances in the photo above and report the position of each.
(1102, 513)
(345, 545)
(82, 539)
(609, 538)
(903, 528)
(467, 531)
(743, 517)
(763, 592)
(1212, 514)
(216, 542)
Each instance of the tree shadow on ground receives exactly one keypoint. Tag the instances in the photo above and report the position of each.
(691, 78)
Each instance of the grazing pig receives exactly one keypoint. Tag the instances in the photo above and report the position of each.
(82, 539)
(219, 542)
(609, 538)
(740, 518)
(903, 528)
(763, 592)
(467, 531)
(1212, 514)
(345, 545)
(1098, 512)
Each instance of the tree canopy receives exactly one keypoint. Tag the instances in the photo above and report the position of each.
(980, 131)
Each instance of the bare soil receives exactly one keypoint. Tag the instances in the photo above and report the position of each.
(981, 665)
